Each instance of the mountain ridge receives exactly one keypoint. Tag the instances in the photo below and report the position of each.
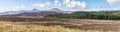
(35, 12)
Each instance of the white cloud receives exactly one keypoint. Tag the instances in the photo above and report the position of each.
(73, 4)
(1, 10)
(42, 5)
(4, 9)
(111, 2)
(66, 1)
(21, 6)
(57, 3)
(48, 3)
(102, 9)
(82, 5)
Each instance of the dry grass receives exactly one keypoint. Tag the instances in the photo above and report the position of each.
(33, 24)
(13, 27)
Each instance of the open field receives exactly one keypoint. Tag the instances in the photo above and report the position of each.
(13, 27)
(38, 24)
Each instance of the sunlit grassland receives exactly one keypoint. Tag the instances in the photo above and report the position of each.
(6, 26)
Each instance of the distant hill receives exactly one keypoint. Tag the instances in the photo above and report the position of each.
(17, 12)
(35, 12)
(41, 13)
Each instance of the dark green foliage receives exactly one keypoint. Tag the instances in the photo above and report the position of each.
(104, 15)
(60, 15)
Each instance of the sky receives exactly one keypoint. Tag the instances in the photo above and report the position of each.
(67, 5)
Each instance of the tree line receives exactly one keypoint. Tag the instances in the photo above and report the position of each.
(104, 15)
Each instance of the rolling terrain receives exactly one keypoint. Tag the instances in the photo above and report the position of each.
(82, 24)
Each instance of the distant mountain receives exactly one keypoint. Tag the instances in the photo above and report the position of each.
(35, 12)
(11, 12)
(55, 9)
(17, 12)
(41, 13)
(61, 11)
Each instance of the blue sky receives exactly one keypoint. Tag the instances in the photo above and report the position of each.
(70, 5)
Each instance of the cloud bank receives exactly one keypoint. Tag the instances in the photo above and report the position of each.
(73, 4)
(111, 2)
(42, 5)
(21, 6)
(57, 3)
